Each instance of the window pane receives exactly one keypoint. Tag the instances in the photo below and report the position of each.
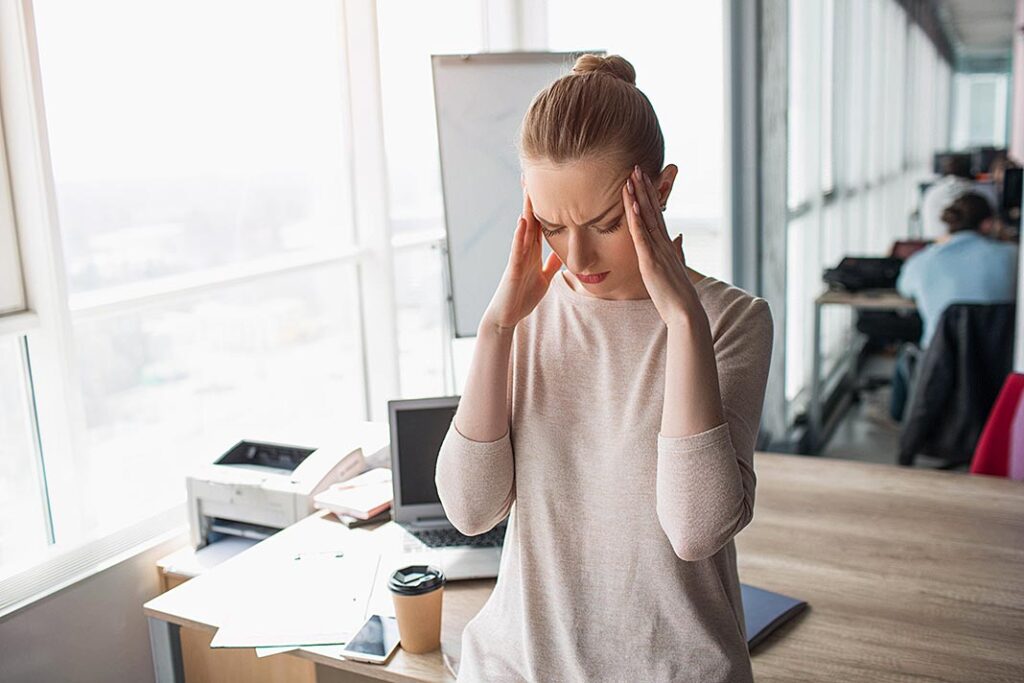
(173, 386)
(420, 304)
(407, 93)
(678, 51)
(22, 503)
(193, 134)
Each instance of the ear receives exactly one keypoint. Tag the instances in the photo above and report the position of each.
(666, 179)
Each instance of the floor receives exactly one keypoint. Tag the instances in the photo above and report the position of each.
(867, 432)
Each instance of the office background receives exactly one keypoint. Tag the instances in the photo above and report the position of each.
(217, 224)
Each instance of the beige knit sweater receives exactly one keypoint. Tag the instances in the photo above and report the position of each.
(619, 563)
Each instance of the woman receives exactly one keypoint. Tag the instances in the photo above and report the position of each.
(618, 438)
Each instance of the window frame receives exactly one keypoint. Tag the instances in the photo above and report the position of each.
(49, 312)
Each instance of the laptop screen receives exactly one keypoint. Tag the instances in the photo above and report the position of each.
(420, 432)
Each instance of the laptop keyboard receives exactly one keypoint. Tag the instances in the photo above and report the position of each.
(442, 538)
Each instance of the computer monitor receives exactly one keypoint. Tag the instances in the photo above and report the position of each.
(418, 427)
(1010, 199)
(960, 163)
(982, 158)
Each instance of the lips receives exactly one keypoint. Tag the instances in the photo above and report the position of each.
(592, 279)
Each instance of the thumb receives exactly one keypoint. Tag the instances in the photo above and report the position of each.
(552, 266)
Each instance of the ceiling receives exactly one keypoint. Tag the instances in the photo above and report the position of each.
(978, 27)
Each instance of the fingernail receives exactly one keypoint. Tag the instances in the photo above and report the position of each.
(629, 185)
(636, 170)
(636, 208)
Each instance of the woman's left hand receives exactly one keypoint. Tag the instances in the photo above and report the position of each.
(661, 259)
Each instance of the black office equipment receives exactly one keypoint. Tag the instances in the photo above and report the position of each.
(855, 273)
(957, 382)
(943, 161)
(1010, 196)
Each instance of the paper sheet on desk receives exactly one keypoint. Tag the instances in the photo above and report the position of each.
(315, 599)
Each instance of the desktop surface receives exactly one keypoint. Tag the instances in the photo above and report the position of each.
(908, 572)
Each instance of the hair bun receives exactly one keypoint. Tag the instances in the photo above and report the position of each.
(613, 65)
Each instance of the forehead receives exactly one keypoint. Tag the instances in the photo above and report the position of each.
(576, 192)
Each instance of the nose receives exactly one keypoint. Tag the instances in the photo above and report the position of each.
(580, 253)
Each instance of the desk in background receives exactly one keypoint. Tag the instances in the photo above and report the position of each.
(868, 300)
(909, 574)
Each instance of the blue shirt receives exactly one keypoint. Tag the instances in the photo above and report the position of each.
(968, 268)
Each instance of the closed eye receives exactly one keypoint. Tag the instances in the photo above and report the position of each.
(603, 231)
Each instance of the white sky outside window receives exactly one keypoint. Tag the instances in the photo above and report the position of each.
(410, 126)
(677, 50)
(414, 172)
(189, 137)
(192, 134)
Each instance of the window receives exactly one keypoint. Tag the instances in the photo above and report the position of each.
(416, 207)
(980, 111)
(12, 292)
(201, 160)
(24, 510)
(864, 121)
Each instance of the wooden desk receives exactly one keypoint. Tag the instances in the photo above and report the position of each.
(867, 300)
(909, 574)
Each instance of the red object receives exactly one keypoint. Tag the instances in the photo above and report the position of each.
(992, 454)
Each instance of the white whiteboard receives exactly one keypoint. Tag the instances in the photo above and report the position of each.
(480, 101)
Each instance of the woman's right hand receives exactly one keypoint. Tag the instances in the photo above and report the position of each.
(526, 279)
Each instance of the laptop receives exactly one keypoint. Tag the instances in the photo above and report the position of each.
(418, 427)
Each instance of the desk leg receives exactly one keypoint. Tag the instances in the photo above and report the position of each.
(165, 642)
(814, 426)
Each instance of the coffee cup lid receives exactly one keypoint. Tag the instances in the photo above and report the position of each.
(416, 579)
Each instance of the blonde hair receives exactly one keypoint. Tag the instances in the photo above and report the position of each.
(594, 113)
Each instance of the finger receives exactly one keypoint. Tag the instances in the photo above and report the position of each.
(655, 202)
(515, 253)
(641, 238)
(553, 265)
(678, 242)
(643, 198)
(534, 228)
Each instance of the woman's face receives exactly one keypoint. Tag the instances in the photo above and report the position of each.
(583, 218)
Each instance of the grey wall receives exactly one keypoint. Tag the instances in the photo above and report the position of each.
(93, 630)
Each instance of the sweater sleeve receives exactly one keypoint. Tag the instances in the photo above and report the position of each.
(476, 479)
(705, 481)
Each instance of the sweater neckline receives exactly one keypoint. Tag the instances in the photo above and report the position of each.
(562, 286)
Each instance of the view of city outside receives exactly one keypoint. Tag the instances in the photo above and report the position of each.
(176, 153)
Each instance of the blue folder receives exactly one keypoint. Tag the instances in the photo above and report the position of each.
(764, 611)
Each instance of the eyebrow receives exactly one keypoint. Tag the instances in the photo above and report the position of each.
(585, 225)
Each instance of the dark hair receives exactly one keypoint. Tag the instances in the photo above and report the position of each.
(967, 212)
(595, 112)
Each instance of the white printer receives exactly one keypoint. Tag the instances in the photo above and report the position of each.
(259, 486)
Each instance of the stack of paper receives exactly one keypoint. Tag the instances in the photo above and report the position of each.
(310, 599)
(362, 497)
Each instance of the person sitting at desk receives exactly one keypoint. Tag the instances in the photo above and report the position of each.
(956, 180)
(619, 437)
(967, 267)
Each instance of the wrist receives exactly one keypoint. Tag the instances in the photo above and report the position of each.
(493, 329)
(688, 316)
